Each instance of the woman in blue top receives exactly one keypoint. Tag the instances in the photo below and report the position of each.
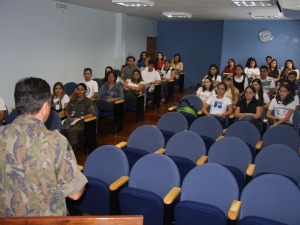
(110, 92)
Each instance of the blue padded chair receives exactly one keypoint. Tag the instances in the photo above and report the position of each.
(142, 141)
(296, 120)
(246, 131)
(270, 199)
(281, 134)
(99, 82)
(185, 148)
(206, 196)
(234, 154)
(278, 159)
(104, 166)
(171, 123)
(151, 179)
(70, 88)
(12, 116)
(54, 121)
(209, 128)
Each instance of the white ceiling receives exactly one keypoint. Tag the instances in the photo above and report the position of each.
(200, 9)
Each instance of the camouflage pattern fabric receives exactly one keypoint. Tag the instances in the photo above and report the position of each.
(37, 170)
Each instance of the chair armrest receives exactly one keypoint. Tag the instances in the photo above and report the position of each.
(200, 113)
(80, 167)
(122, 144)
(172, 195)
(90, 119)
(140, 95)
(265, 120)
(118, 183)
(160, 151)
(220, 137)
(172, 108)
(170, 81)
(203, 159)
(231, 116)
(250, 170)
(119, 102)
(234, 209)
(258, 145)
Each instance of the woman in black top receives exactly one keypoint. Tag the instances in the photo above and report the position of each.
(249, 108)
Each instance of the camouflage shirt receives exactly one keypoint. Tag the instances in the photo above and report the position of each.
(37, 170)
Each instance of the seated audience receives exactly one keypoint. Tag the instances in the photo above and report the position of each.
(260, 94)
(177, 65)
(133, 87)
(220, 106)
(249, 108)
(273, 70)
(283, 107)
(251, 69)
(143, 56)
(230, 68)
(240, 80)
(159, 61)
(206, 90)
(59, 99)
(213, 73)
(268, 83)
(79, 108)
(232, 92)
(92, 86)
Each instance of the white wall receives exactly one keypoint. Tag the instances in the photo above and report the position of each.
(38, 39)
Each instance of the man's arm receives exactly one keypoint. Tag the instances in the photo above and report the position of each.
(77, 195)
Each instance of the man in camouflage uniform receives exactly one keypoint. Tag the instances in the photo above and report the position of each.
(38, 168)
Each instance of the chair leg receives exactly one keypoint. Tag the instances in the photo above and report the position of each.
(181, 82)
(118, 117)
(170, 91)
(90, 135)
(157, 96)
(140, 108)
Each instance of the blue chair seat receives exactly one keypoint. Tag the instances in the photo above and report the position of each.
(255, 220)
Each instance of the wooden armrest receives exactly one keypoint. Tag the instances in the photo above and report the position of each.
(170, 81)
(199, 112)
(140, 95)
(231, 116)
(203, 159)
(234, 209)
(258, 145)
(160, 151)
(172, 108)
(90, 119)
(220, 137)
(172, 195)
(250, 169)
(119, 101)
(118, 183)
(181, 73)
(80, 167)
(265, 120)
(122, 144)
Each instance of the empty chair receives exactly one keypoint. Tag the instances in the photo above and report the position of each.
(209, 128)
(278, 159)
(281, 134)
(206, 196)
(270, 199)
(142, 141)
(107, 170)
(171, 123)
(152, 187)
(234, 154)
(70, 88)
(54, 121)
(185, 148)
(245, 131)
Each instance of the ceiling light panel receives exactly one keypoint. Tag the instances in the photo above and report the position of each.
(253, 3)
(177, 14)
(133, 3)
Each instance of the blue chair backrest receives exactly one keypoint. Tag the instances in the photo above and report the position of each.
(193, 100)
(212, 184)
(172, 121)
(146, 137)
(273, 197)
(53, 122)
(278, 159)
(281, 134)
(12, 116)
(186, 144)
(106, 163)
(245, 131)
(296, 119)
(156, 173)
(207, 126)
(70, 87)
(99, 82)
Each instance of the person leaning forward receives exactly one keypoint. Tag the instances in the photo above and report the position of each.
(38, 168)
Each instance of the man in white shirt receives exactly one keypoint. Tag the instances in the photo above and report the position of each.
(150, 75)
(268, 83)
(2, 110)
(92, 86)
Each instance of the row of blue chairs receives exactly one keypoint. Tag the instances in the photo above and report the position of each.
(209, 192)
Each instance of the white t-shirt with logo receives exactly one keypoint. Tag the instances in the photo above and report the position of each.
(280, 110)
(218, 106)
(92, 88)
(267, 84)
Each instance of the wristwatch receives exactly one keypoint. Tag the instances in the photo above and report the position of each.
(82, 117)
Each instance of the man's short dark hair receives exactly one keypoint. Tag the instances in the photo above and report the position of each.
(264, 67)
(87, 69)
(30, 95)
(130, 57)
(151, 62)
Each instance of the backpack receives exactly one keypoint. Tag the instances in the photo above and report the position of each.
(189, 111)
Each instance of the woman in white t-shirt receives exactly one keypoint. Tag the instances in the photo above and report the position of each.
(133, 87)
(206, 90)
(60, 99)
(251, 68)
(220, 106)
(213, 73)
(260, 94)
(283, 107)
